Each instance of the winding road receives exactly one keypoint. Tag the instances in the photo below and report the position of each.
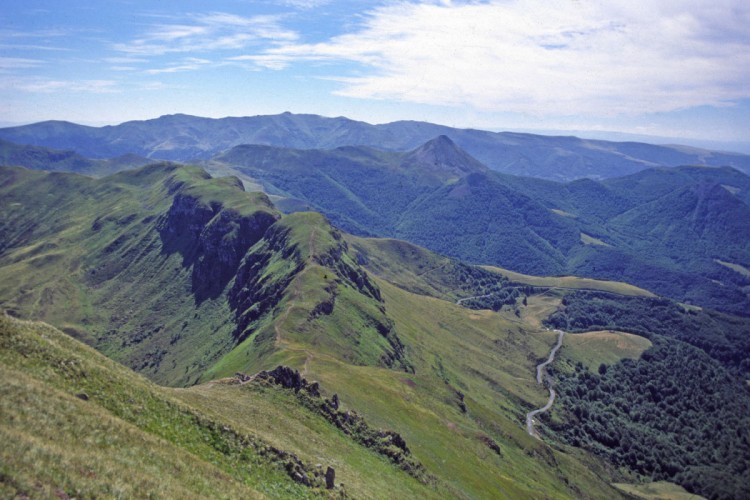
(540, 370)
(460, 301)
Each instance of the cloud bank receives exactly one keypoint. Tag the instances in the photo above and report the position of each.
(560, 57)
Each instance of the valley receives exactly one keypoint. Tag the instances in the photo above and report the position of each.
(388, 249)
(260, 343)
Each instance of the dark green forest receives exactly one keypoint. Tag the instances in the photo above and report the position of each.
(664, 230)
(675, 414)
(723, 337)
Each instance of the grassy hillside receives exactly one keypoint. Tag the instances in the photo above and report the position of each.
(573, 282)
(190, 279)
(136, 264)
(76, 423)
(592, 349)
(658, 490)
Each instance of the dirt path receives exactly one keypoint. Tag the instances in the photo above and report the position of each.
(459, 301)
(540, 371)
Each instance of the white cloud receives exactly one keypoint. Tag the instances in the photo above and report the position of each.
(187, 64)
(205, 33)
(305, 4)
(14, 63)
(53, 86)
(558, 57)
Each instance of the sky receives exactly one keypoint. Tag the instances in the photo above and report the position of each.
(672, 69)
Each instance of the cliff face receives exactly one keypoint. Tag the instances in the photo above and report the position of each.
(212, 239)
(222, 244)
(257, 291)
(302, 265)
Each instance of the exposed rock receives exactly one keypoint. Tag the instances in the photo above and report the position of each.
(330, 476)
(211, 238)
(254, 293)
(491, 444)
(461, 403)
(326, 307)
(223, 243)
(290, 379)
(385, 442)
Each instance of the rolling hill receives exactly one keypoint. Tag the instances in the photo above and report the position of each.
(296, 344)
(666, 230)
(678, 232)
(189, 138)
(189, 280)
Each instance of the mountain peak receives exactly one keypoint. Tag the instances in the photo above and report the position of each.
(443, 158)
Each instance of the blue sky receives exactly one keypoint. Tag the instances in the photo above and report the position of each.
(671, 69)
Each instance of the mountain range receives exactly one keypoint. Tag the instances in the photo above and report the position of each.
(301, 351)
(670, 230)
(188, 279)
(188, 138)
(680, 232)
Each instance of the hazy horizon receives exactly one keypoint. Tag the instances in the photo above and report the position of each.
(675, 72)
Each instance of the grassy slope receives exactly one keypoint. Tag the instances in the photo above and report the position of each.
(607, 347)
(131, 432)
(488, 358)
(129, 438)
(338, 326)
(573, 282)
(659, 490)
(91, 257)
(277, 416)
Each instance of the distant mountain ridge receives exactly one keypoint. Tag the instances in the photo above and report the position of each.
(186, 138)
(40, 158)
(664, 229)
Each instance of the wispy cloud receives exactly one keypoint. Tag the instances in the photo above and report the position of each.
(187, 64)
(305, 4)
(64, 86)
(14, 63)
(19, 46)
(562, 57)
(40, 33)
(203, 33)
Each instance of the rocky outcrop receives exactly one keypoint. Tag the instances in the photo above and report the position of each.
(388, 443)
(325, 307)
(337, 260)
(256, 291)
(212, 239)
(330, 478)
(490, 443)
(222, 244)
(289, 379)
